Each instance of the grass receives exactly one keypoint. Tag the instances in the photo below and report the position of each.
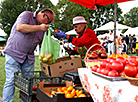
(2, 77)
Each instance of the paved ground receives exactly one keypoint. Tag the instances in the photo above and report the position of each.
(1, 100)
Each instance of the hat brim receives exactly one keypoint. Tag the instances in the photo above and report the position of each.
(79, 23)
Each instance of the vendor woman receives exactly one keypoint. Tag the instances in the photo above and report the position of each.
(86, 36)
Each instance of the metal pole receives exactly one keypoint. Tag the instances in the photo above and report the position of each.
(115, 13)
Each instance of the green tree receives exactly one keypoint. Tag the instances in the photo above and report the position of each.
(104, 14)
(65, 11)
(131, 18)
(10, 9)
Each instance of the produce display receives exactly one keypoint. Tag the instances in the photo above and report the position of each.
(117, 65)
(98, 54)
(70, 92)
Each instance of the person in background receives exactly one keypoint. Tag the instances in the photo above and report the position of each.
(86, 36)
(127, 39)
(123, 38)
(130, 38)
(124, 47)
(105, 43)
(110, 43)
(27, 31)
(134, 39)
(130, 44)
(118, 43)
(127, 42)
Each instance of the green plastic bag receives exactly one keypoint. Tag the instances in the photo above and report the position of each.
(49, 50)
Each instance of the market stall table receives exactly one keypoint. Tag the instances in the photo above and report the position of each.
(104, 90)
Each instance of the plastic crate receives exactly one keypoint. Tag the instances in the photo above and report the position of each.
(31, 78)
(72, 76)
(25, 98)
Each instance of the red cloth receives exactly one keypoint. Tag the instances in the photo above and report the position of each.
(88, 39)
(91, 3)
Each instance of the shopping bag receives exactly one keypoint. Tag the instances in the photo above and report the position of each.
(49, 49)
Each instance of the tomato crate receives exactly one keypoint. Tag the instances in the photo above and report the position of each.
(25, 81)
(43, 94)
(28, 98)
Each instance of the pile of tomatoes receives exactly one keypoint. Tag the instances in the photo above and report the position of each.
(115, 67)
(100, 54)
(70, 92)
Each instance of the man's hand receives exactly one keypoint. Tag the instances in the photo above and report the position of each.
(61, 34)
(44, 27)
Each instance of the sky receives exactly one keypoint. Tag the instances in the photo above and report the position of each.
(125, 6)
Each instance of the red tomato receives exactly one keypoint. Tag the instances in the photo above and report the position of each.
(108, 65)
(121, 59)
(130, 70)
(121, 73)
(118, 66)
(95, 53)
(110, 58)
(113, 73)
(99, 70)
(35, 87)
(104, 55)
(103, 64)
(127, 61)
(98, 57)
(56, 31)
(136, 76)
(132, 63)
(136, 62)
(105, 71)
(93, 56)
(94, 67)
(132, 59)
(137, 68)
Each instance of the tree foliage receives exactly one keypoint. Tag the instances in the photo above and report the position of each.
(105, 14)
(10, 9)
(131, 18)
(65, 11)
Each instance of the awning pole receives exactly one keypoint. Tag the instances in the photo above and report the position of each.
(115, 13)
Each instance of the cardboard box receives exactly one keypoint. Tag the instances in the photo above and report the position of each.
(62, 65)
(43, 97)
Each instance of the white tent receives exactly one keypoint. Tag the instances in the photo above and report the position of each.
(2, 33)
(110, 26)
(132, 31)
(71, 32)
(102, 36)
